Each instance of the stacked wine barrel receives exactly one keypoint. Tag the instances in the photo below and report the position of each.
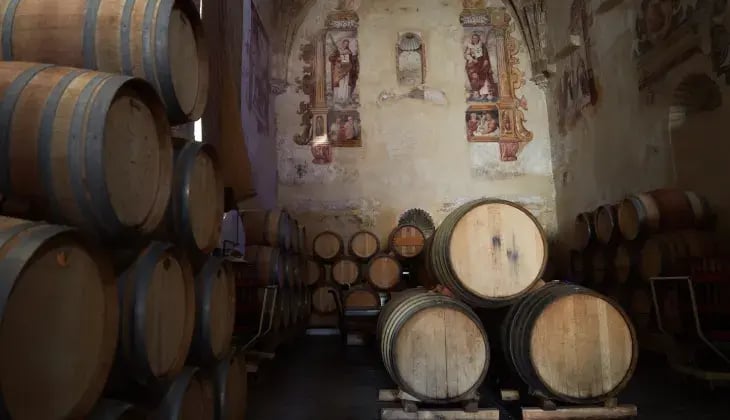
(110, 220)
(619, 247)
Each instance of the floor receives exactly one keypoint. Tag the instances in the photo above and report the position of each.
(315, 378)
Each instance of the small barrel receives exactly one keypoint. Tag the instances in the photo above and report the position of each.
(160, 41)
(189, 396)
(346, 271)
(157, 299)
(194, 213)
(584, 232)
(606, 224)
(406, 241)
(361, 297)
(627, 262)
(323, 302)
(662, 211)
(540, 330)
(489, 252)
(315, 272)
(215, 310)
(229, 388)
(383, 272)
(444, 336)
(267, 267)
(267, 227)
(87, 149)
(669, 254)
(117, 410)
(328, 246)
(363, 245)
(60, 319)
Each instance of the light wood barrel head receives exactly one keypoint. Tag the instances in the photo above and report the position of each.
(198, 400)
(314, 272)
(206, 200)
(53, 334)
(167, 316)
(345, 272)
(407, 241)
(605, 223)
(184, 59)
(384, 272)
(440, 352)
(322, 300)
(582, 346)
(364, 245)
(497, 250)
(327, 245)
(362, 298)
(222, 311)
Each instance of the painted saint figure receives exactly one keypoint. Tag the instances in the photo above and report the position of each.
(344, 72)
(479, 69)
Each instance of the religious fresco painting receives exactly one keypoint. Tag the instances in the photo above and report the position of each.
(492, 77)
(344, 129)
(259, 85)
(410, 59)
(342, 69)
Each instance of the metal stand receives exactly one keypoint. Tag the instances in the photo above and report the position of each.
(274, 292)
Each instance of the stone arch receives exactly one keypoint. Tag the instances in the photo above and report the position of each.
(697, 92)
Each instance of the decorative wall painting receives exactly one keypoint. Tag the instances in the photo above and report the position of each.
(480, 55)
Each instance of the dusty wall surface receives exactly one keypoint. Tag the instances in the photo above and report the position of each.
(414, 153)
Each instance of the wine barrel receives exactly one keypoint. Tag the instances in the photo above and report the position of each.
(194, 213)
(157, 299)
(65, 146)
(59, 323)
(267, 267)
(322, 300)
(304, 241)
(406, 241)
(424, 275)
(606, 224)
(581, 266)
(363, 245)
(267, 227)
(116, 410)
(291, 269)
(669, 254)
(383, 272)
(627, 262)
(296, 246)
(215, 309)
(159, 41)
(315, 272)
(361, 297)
(540, 330)
(229, 388)
(661, 211)
(489, 252)
(443, 336)
(602, 266)
(283, 308)
(327, 246)
(189, 396)
(346, 271)
(584, 232)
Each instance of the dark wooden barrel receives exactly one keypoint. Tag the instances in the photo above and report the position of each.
(157, 299)
(267, 266)
(606, 224)
(296, 246)
(511, 257)
(195, 211)
(584, 232)
(383, 272)
(406, 241)
(304, 241)
(322, 300)
(315, 272)
(361, 297)
(669, 254)
(540, 330)
(189, 396)
(346, 271)
(328, 246)
(363, 245)
(249, 309)
(627, 262)
(66, 147)
(267, 227)
(117, 410)
(424, 275)
(581, 266)
(283, 308)
(291, 271)
(215, 309)
(229, 388)
(662, 211)
(59, 323)
(444, 335)
(160, 41)
(602, 267)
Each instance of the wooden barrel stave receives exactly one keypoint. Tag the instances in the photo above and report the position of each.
(383, 272)
(327, 246)
(363, 245)
(267, 227)
(670, 254)
(346, 271)
(229, 381)
(407, 241)
(267, 267)
(584, 232)
(361, 297)
(606, 224)
(322, 300)
(189, 396)
(315, 272)
(661, 210)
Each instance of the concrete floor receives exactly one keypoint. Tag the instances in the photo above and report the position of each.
(315, 378)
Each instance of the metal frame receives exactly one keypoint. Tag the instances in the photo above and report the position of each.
(259, 334)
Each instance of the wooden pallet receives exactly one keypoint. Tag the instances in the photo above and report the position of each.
(414, 409)
(610, 410)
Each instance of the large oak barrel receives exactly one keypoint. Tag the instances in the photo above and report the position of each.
(323, 302)
(86, 149)
(160, 41)
(346, 271)
(195, 211)
(433, 346)
(383, 272)
(661, 211)
(267, 227)
(583, 230)
(59, 321)
(117, 410)
(230, 388)
(541, 344)
(669, 254)
(189, 396)
(215, 310)
(328, 246)
(489, 252)
(157, 298)
(406, 241)
(267, 267)
(363, 245)
(606, 223)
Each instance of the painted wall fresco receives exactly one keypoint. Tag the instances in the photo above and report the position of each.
(410, 53)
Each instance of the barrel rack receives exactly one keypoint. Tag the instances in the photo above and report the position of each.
(412, 408)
